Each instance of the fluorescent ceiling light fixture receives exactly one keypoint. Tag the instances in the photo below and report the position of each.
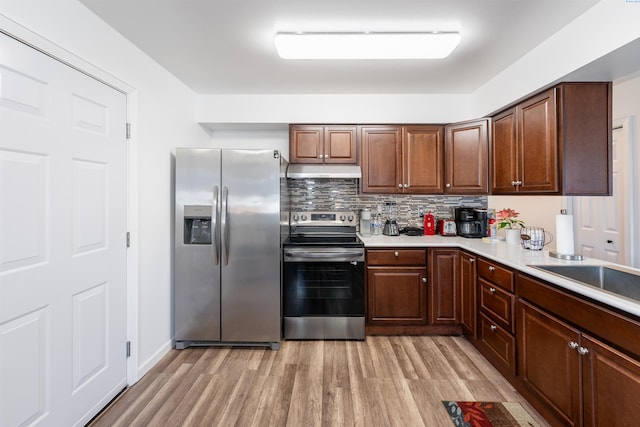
(366, 45)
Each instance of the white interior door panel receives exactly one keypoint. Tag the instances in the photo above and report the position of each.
(62, 240)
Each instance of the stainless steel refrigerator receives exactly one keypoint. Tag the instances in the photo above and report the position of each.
(227, 247)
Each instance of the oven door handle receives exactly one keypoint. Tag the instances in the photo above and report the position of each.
(306, 254)
(344, 255)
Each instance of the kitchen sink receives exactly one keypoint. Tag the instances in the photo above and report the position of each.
(608, 278)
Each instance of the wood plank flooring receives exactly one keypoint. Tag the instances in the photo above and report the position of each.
(383, 381)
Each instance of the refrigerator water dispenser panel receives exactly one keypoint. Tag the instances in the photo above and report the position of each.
(197, 225)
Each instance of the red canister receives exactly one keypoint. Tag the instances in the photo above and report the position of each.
(429, 224)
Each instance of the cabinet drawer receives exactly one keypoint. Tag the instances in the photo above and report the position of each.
(396, 257)
(498, 304)
(496, 274)
(498, 345)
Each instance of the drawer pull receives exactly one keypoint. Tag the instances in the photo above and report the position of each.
(491, 268)
(471, 260)
(396, 253)
(424, 280)
(583, 351)
(573, 345)
(493, 328)
(492, 290)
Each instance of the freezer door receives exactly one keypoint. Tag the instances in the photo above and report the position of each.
(250, 220)
(197, 245)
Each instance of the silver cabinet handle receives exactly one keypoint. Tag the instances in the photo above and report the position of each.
(406, 186)
(491, 268)
(472, 260)
(326, 156)
(493, 328)
(424, 280)
(319, 156)
(216, 229)
(514, 183)
(492, 290)
(573, 345)
(399, 185)
(448, 185)
(396, 253)
(224, 225)
(583, 351)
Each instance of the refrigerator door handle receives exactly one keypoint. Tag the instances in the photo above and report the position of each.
(216, 240)
(225, 228)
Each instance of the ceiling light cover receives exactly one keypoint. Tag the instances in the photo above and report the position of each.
(396, 45)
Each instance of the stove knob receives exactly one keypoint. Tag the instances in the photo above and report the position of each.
(350, 218)
(304, 217)
(342, 217)
(295, 217)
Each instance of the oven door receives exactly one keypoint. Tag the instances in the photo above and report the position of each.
(319, 284)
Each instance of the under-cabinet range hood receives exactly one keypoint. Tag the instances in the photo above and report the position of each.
(301, 171)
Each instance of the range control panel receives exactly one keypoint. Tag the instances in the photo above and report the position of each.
(324, 218)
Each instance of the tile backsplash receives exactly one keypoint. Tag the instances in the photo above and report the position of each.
(344, 194)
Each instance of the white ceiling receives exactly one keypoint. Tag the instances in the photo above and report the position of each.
(226, 46)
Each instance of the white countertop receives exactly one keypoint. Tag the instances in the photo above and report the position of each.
(513, 256)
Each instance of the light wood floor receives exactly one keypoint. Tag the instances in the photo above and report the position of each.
(383, 381)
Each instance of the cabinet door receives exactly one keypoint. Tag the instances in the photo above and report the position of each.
(381, 159)
(467, 286)
(504, 153)
(423, 159)
(547, 366)
(611, 385)
(466, 153)
(397, 295)
(340, 144)
(306, 144)
(538, 144)
(443, 292)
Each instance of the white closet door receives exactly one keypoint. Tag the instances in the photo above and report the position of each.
(62, 240)
(602, 224)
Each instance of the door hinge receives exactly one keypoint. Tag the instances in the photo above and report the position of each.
(128, 239)
(128, 348)
(128, 130)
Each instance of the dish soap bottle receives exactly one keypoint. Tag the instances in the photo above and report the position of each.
(429, 224)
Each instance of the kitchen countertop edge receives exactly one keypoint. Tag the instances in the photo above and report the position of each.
(513, 256)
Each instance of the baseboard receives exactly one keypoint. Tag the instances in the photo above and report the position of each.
(154, 359)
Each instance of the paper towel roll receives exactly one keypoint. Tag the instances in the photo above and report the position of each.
(564, 234)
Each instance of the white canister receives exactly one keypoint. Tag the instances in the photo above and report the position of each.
(365, 222)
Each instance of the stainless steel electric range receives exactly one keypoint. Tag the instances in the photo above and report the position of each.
(323, 285)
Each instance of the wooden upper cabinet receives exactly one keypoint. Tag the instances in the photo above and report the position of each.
(504, 152)
(323, 144)
(423, 157)
(402, 159)
(466, 153)
(381, 159)
(556, 142)
(538, 144)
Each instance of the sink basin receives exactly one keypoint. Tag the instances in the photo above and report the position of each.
(608, 278)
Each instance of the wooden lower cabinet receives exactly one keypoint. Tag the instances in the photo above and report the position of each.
(443, 289)
(397, 295)
(547, 367)
(467, 286)
(611, 385)
(571, 377)
(396, 287)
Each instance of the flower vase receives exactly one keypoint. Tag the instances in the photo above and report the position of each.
(512, 236)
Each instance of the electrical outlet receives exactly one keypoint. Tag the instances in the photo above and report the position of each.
(420, 212)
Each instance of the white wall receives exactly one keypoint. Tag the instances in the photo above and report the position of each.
(163, 118)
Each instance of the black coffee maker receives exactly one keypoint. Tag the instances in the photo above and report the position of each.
(471, 222)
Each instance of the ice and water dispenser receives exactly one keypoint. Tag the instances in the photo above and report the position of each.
(197, 225)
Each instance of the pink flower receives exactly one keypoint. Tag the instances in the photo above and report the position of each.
(507, 219)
